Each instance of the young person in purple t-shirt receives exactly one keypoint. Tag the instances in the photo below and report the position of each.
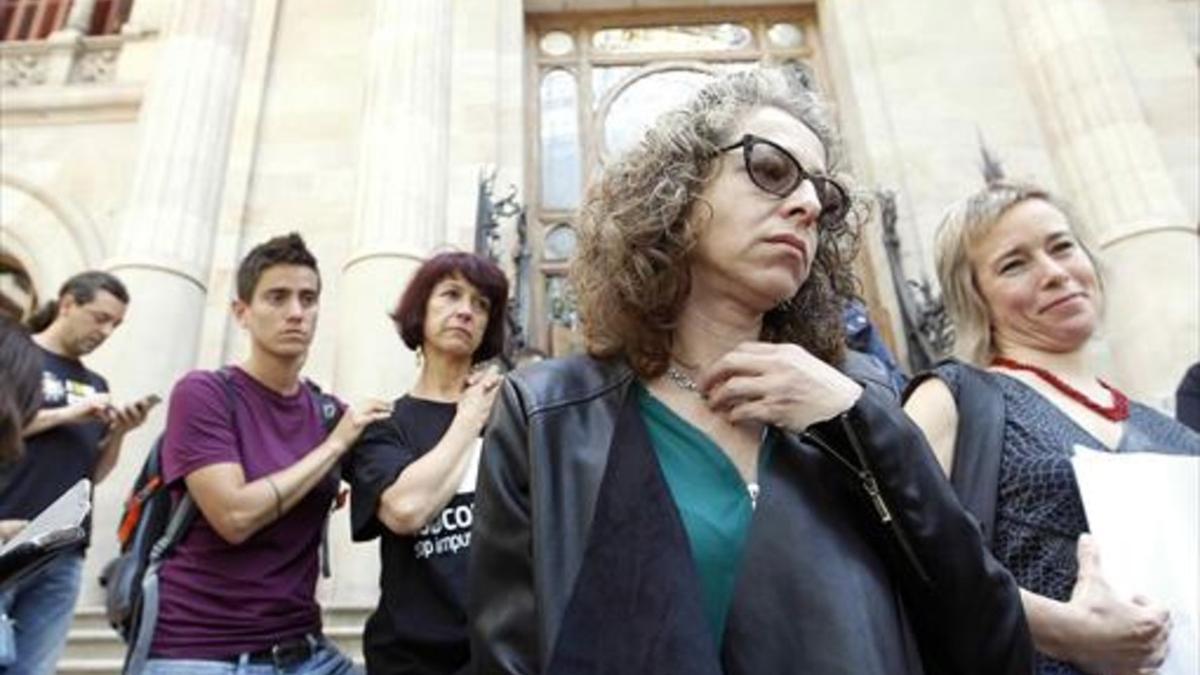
(238, 592)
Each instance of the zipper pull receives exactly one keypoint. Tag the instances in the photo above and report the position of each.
(753, 489)
(872, 488)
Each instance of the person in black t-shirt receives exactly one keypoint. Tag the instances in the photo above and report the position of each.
(76, 434)
(413, 475)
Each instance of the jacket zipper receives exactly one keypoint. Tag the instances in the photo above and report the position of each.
(871, 486)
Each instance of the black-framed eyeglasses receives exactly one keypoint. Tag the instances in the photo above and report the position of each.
(777, 172)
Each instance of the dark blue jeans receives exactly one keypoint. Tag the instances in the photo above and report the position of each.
(42, 607)
(326, 660)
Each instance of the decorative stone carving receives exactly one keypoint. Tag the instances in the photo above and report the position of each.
(63, 58)
(95, 65)
(23, 69)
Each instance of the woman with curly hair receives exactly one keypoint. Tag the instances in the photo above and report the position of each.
(707, 490)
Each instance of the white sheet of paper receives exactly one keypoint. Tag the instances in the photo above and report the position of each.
(1144, 512)
(64, 514)
(471, 475)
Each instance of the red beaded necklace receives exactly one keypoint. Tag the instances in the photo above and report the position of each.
(1117, 412)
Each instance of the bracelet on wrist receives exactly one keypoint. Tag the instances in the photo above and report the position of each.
(278, 498)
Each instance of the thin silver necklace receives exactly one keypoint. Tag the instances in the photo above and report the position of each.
(683, 381)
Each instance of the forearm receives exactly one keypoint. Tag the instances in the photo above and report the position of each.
(239, 512)
(425, 487)
(1050, 622)
(46, 419)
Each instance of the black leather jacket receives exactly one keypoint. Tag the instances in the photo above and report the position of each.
(857, 553)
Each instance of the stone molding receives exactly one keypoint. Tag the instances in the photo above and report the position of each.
(65, 58)
(81, 228)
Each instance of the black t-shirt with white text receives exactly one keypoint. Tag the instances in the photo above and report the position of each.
(420, 625)
(57, 458)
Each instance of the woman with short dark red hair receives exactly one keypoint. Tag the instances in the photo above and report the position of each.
(413, 475)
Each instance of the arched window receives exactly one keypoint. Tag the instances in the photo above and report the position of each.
(599, 81)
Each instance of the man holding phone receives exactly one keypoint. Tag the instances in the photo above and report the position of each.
(77, 434)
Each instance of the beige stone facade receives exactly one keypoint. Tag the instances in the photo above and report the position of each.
(167, 150)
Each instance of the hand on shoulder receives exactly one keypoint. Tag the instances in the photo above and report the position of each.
(354, 419)
(479, 397)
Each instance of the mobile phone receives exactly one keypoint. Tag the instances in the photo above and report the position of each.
(148, 402)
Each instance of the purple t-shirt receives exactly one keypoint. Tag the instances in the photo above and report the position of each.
(217, 599)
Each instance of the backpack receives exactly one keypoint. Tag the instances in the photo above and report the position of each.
(150, 527)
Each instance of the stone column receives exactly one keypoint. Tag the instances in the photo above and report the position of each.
(140, 54)
(487, 108)
(401, 193)
(164, 247)
(1108, 161)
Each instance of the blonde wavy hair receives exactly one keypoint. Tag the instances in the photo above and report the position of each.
(631, 272)
(963, 226)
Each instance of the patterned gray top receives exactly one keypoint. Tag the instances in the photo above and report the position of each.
(1039, 513)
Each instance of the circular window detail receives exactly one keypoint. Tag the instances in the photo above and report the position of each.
(557, 43)
(786, 36)
(559, 244)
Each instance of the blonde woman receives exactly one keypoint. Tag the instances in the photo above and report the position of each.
(1026, 297)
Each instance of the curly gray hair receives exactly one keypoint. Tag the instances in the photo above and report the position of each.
(631, 273)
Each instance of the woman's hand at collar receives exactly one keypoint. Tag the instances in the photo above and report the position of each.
(778, 384)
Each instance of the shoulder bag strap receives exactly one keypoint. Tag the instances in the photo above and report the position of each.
(978, 443)
(330, 416)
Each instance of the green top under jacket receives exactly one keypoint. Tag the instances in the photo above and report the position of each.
(713, 501)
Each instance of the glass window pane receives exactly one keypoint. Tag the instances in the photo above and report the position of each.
(605, 78)
(560, 301)
(701, 38)
(557, 43)
(786, 35)
(559, 244)
(560, 141)
(642, 102)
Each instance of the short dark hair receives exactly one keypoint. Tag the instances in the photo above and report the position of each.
(409, 315)
(83, 288)
(21, 396)
(287, 249)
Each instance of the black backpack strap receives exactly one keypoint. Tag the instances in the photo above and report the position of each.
(327, 406)
(978, 442)
(225, 376)
(331, 414)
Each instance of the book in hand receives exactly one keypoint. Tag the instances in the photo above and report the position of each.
(56, 529)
